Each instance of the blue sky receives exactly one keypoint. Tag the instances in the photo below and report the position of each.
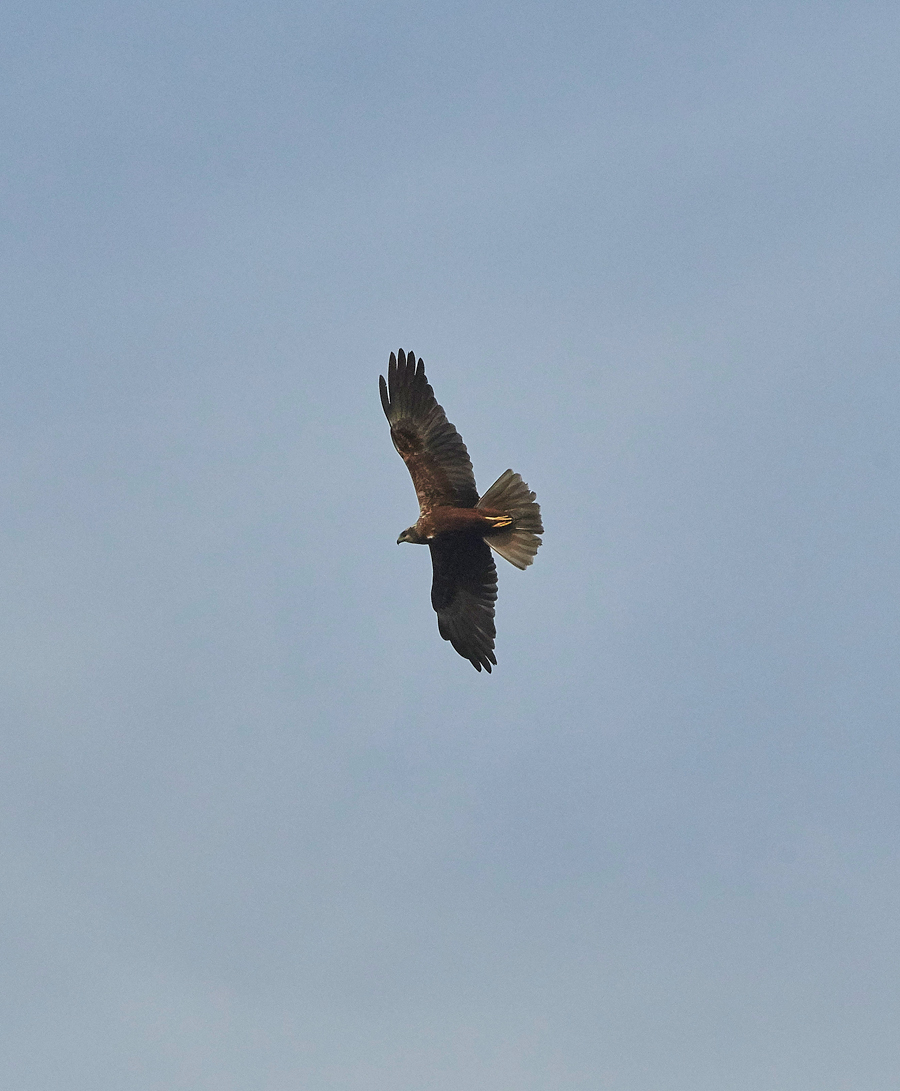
(262, 830)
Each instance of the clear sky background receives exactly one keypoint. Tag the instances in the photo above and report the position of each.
(261, 828)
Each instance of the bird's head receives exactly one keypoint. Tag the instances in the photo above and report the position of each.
(410, 535)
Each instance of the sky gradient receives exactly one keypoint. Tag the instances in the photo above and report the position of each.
(261, 828)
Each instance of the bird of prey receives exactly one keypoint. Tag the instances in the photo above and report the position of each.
(456, 525)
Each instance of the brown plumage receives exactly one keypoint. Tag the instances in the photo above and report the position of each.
(454, 523)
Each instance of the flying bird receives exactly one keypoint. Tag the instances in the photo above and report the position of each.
(458, 527)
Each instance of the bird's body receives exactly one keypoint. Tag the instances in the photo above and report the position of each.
(459, 527)
(448, 520)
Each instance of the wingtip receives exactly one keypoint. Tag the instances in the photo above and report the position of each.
(385, 400)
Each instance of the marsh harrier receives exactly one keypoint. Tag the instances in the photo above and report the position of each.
(458, 527)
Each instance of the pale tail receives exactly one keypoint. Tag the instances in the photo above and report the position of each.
(510, 494)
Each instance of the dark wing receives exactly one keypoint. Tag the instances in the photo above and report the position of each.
(463, 594)
(432, 449)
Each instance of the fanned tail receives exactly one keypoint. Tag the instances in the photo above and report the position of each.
(520, 542)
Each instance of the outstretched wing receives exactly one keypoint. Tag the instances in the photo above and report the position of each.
(432, 449)
(463, 595)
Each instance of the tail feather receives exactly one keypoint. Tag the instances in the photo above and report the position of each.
(520, 542)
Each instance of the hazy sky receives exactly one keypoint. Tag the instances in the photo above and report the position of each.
(261, 828)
